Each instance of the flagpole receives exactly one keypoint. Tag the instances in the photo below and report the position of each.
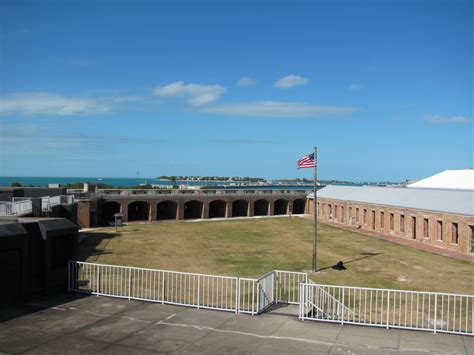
(315, 210)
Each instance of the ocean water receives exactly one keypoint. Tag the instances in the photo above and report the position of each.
(118, 182)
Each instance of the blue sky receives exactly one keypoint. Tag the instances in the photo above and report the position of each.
(241, 88)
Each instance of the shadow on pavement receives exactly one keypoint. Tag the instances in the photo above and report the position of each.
(37, 304)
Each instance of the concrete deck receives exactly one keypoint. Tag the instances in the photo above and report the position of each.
(75, 324)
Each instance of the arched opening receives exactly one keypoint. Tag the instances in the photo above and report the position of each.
(138, 211)
(217, 209)
(166, 210)
(110, 208)
(193, 210)
(281, 207)
(299, 206)
(240, 208)
(260, 208)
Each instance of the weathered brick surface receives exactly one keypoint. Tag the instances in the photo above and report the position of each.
(83, 213)
(90, 212)
(404, 223)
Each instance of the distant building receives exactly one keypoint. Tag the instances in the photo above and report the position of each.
(442, 218)
(448, 179)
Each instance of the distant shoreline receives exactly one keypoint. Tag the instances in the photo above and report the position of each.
(26, 181)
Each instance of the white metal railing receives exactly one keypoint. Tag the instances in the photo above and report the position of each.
(328, 299)
(55, 201)
(249, 298)
(21, 206)
(429, 311)
(266, 291)
(242, 295)
(222, 293)
(16, 208)
(66, 199)
(287, 286)
(48, 202)
(45, 206)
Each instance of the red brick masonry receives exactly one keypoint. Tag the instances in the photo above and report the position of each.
(442, 233)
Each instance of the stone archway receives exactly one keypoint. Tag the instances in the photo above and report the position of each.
(110, 208)
(166, 210)
(193, 209)
(280, 207)
(260, 208)
(240, 208)
(138, 211)
(299, 206)
(217, 209)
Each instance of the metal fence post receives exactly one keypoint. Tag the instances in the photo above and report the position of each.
(273, 287)
(276, 285)
(344, 305)
(472, 313)
(436, 313)
(163, 284)
(199, 291)
(305, 296)
(237, 296)
(388, 309)
(258, 296)
(129, 283)
(302, 300)
(98, 279)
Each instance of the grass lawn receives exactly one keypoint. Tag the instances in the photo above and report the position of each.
(252, 247)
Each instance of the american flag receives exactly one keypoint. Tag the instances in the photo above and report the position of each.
(306, 162)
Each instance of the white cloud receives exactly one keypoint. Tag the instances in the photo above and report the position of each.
(438, 119)
(196, 94)
(32, 138)
(120, 99)
(33, 104)
(355, 87)
(277, 109)
(290, 81)
(245, 81)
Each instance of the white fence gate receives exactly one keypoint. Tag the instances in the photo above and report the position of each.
(429, 311)
(287, 286)
(266, 292)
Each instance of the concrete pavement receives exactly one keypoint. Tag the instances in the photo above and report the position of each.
(71, 324)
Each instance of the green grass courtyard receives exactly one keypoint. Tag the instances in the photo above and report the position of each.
(252, 247)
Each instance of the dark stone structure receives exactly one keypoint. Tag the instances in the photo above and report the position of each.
(34, 256)
(13, 261)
